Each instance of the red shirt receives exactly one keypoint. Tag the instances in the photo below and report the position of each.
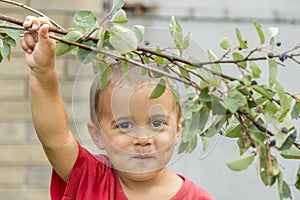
(91, 179)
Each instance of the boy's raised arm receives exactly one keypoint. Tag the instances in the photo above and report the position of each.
(48, 112)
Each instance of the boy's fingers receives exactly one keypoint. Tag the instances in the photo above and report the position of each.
(27, 21)
(25, 47)
(30, 39)
(34, 22)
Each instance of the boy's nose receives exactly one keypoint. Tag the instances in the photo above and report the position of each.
(142, 141)
(143, 137)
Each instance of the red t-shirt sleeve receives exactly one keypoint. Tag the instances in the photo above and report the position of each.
(91, 177)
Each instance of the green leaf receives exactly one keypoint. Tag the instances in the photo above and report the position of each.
(273, 71)
(259, 31)
(284, 141)
(192, 127)
(10, 41)
(104, 72)
(85, 19)
(204, 95)
(215, 127)
(283, 188)
(159, 89)
(259, 137)
(14, 34)
(241, 163)
(192, 146)
(184, 72)
(125, 68)
(212, 57)
(85, 56)
(159, 60)
(284, 100)
(256, 71)
(242, 42)
(270, 111)
(209, 77)
(232, 85)
(234, 101)
(120, 17)
(176, 32)
(139, 32)
(246, 80)
(204, 114)
(5, 50)
(63, 48)
(122, 39)
(183, 146)
(233, 128)
(238, 56)
(291, 153)
(118, 3)
(264, 92)
(225, 44)
(103, 37)
(216, 106)
(266, 174)
(297, 183)
(296, 111)
(186, 41)
(231, 104)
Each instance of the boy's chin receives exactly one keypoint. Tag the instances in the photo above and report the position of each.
(140, 176)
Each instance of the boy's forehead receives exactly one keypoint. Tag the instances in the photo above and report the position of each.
(127, 100)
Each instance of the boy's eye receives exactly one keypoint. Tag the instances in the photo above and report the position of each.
(125, 125)
(157, 123)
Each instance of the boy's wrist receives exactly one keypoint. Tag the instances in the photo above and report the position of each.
(44, 76)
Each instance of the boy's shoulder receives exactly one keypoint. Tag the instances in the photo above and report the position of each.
(190, 190)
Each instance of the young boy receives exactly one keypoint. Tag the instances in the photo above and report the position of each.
(138, 133)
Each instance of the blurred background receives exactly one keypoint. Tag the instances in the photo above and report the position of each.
(24, 170)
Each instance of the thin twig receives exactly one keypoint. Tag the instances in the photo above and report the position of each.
(103, 21)
(257, 125)
(34, 11)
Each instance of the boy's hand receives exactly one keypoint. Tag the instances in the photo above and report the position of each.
(39, 48)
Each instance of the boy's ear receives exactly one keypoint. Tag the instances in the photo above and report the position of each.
(179, 129)
(96, 135)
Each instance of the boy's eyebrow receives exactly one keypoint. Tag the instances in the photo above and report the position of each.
(159, 116)
(114, 121)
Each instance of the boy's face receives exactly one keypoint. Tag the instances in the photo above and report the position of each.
(138, 133)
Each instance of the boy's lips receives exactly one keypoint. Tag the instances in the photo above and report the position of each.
(143, 157)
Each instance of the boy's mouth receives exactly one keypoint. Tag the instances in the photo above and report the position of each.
(143, 157)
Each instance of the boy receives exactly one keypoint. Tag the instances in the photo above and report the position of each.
(138, 133)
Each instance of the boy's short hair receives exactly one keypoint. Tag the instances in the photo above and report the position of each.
(116, 78)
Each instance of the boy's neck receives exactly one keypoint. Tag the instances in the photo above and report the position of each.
(154, 186)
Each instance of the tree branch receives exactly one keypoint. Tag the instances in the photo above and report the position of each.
(20, 23)
(34, 11)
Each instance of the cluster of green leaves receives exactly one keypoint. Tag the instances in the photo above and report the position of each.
(258, 116)
(8, 39)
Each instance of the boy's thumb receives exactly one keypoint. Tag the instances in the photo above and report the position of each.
(43, 32)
